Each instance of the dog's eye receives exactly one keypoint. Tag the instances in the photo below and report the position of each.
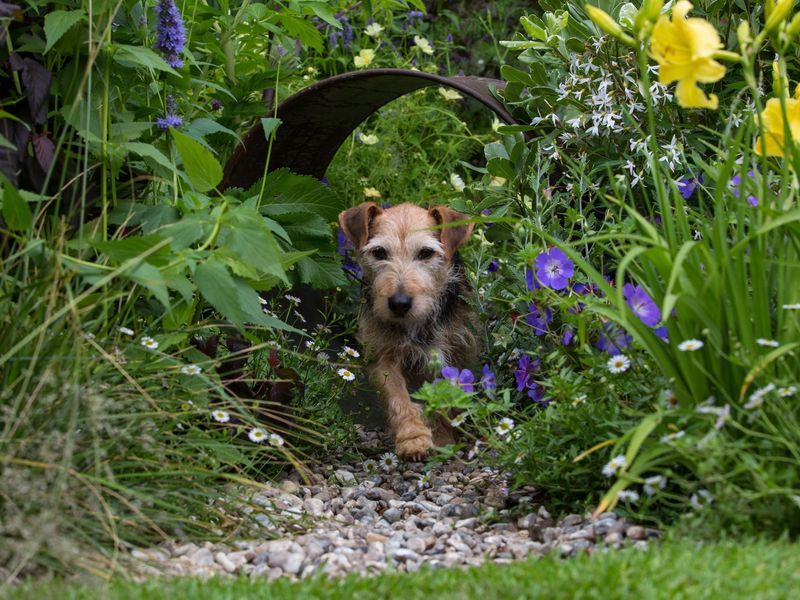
(379, 253)
(425, 253)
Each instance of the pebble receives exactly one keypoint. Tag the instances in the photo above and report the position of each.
(347, 520)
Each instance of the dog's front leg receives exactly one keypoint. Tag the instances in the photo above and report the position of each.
(412, 437)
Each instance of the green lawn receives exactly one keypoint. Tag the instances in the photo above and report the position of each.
(752, 570)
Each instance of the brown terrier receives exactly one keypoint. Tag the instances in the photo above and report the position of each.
(412, 305)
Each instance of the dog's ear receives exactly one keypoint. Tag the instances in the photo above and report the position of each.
(355, 222)
(452, 237)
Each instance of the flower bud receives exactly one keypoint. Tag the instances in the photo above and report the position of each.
(653, 9)
(780, 84)
(607, 23)
(778, 14)
(743, 34)
(794, 26)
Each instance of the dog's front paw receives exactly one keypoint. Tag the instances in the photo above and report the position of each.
(414, 445)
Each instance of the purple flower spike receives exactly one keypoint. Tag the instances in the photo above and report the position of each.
(554, 268)
(464, 379)
(170, 33)
(488, 381)
(538, 319)
(641, 304)
(171, 117)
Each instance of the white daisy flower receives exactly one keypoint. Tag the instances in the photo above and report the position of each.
(505, 426)
(766, 342)
(275, 440)
(757, 398)
(423, 44)
(700, 499)
(786, 392)
(671, 437)
(191, 370)
(346, 374)
(126, 330)
(270, 313)
(614, 465)
(299, 317)
(628, 496)
(690, 345)
(424, 481)
(368, 139)
(323, 357)
(653, 484)
(370, 466)
(293, 299)
(618, 363)
(389, 461)
(670, 399)
(795, 306)
(348, 351)
(457, 182)
(373, 30)
(312, 345)
(257, 435)
(220, 416)
(458, 421)
(148, 342)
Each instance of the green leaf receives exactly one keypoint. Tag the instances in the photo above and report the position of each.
(58, 22)
(149, 151)
(218, 287)
(286, 193)
(270, 124)
(4, 143)
(139, 56)
(202, 127)
(301, 29)
(324, 12)
(16, 212)
(244, 234)
(640, 434)
(203, 169)
(123, 250)
(151, 278)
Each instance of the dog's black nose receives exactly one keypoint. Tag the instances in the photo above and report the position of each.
(400, 304)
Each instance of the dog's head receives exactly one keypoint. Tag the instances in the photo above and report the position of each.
(407, 255)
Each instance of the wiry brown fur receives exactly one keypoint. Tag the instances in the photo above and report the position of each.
(398, 348)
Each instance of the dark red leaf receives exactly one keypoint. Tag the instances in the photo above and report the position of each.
(36, 79)
(10, 160)
(274, 361)
(43, 149)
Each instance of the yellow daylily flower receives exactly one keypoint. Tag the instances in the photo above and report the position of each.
(774, 126)
(684, 49)
(364, 58)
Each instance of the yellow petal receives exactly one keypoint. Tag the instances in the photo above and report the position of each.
(690, 96)
(668, 72)
(708, 71)
(702, 38)
(774, 145)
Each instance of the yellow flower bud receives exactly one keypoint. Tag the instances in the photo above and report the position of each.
(607, 23)
(794, 26)
(778, 14)
(780, 85)
(743, 34)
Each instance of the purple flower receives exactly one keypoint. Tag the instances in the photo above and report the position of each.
(171, 117)
(538, 319)
(170, 33)
(688, 185)
(486, 212)
(662, 333)
(530, 281)
(568, 335)
(488, 381)
(464, 379)
(554, 268)
(641, 304)
(613, 340)
(347, 32)
(524, 375)
(216, 104)
(736, 184)
(493, 266)
(344, 247)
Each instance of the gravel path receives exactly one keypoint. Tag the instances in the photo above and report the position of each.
(354, 520)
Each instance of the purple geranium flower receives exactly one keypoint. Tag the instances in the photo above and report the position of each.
(488, 381)
(493, 266)
(170, 33)
(641, 304)
(554, 268)
(662, 333)
(530, 281)
(688, 185)
(567, 336)
(736, 185)
(344, 247)
(613, 340)
(464, 379)
(538, 319)
(524, 375)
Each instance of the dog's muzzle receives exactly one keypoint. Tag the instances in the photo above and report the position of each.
(400, 304)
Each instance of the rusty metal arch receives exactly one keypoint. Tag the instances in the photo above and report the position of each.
(318, 119)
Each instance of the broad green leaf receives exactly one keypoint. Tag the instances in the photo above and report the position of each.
(218, 287)
(324, 12)
(149, 151)
(16, 212)
(58, 22)
(187, 231)
(131, 247)
(245, 234)
(321, 273)
(303, 30)
(140, 56)
(202, 127)
(640, 434)
(270, 124)
(286, 193)
(203, 169)
(151, 278)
